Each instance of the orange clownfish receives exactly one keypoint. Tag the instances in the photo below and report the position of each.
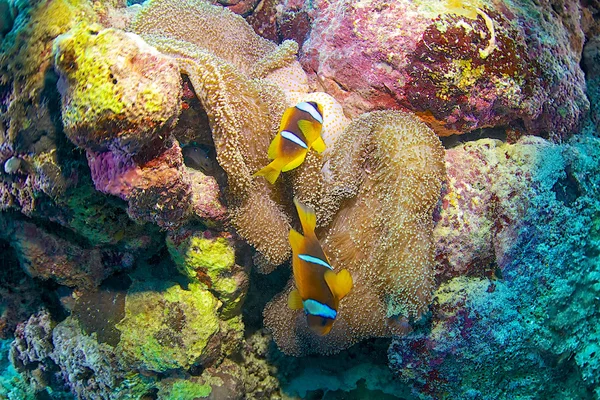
(300, 130)
(318, 289)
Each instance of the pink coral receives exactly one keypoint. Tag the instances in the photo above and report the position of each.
(462, 67)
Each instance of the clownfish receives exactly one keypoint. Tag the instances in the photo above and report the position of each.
(318, 289)
(300, 130)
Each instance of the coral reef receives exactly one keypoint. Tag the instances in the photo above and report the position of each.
(47, 256)
(486, 196)
(460, 65)
(390, 164)
(591, 60)
(133, 235)
(123, 106)
(31, 147)
(166, 327)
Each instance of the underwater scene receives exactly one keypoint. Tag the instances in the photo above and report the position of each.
(285, 199)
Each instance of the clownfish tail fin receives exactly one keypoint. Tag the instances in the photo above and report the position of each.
(307, 216)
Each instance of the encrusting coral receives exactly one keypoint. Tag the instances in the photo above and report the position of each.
(209, 258)
(387, 170)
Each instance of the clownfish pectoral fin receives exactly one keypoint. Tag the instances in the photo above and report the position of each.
(340, 283)
(295, 163)
(307, 216)
(295, 301)
(312, 134)
(319, 145)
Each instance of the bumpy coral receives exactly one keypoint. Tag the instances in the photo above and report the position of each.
(166, 327)
(209, 258)
(461, 64)
(117, 92)
(389, 166)
(35, 165)
(92, 369)
(239, 83)
(533, 321)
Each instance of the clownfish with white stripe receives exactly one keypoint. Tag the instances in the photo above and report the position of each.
(299, 131)
(318, 289)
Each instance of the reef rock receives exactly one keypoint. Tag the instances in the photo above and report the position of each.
(166, 327)
(117, 92)
(47, 256)
(486, 198)
(461, 65)
(531, 320)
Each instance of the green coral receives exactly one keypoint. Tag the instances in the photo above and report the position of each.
(209, 261)
(25, 52)
(184, 389)
(166, 327)
(83, 56)
(116, 86)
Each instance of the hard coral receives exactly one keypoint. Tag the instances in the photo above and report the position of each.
(166, 327)
(485, 199)
(47, 256)
(533, 321)
(29, 136)
(125, 104)
(389, 167)
(209, 258)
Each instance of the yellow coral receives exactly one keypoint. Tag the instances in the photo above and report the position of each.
(389, 166)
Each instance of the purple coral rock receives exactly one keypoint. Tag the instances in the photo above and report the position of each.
(459, 66)
(157, 189)
(206, 203)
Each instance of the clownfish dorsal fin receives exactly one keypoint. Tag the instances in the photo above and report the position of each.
(340, 283)
(295, 301)
(295, 239)
(307, 216)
